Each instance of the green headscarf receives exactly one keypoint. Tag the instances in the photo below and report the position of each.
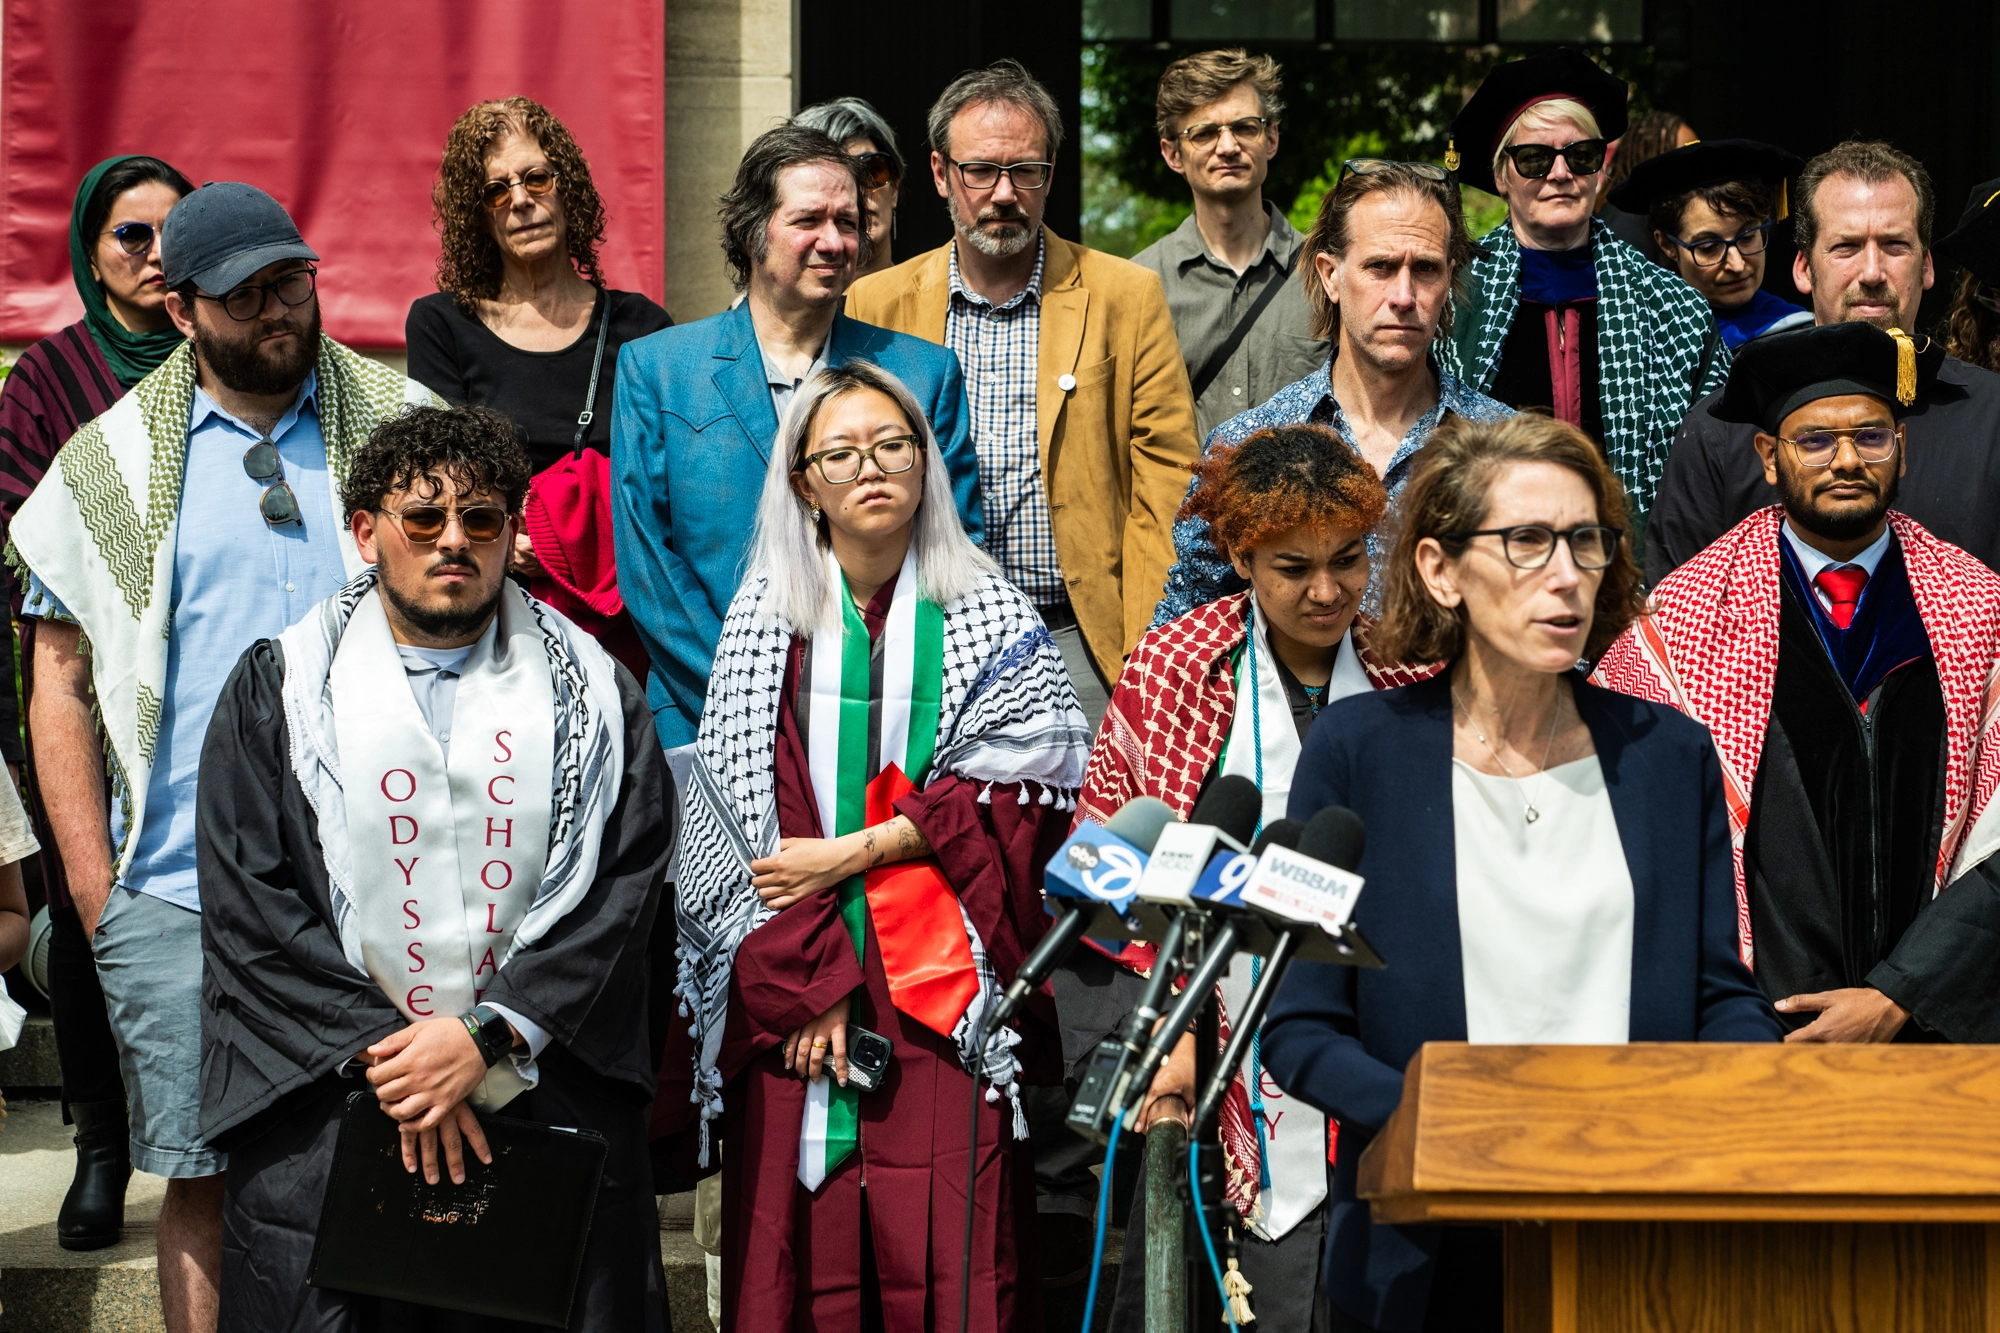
(133, 356)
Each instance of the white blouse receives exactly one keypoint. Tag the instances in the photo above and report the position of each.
(1544, 909)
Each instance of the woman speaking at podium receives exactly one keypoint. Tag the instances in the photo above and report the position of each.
(1548, 862)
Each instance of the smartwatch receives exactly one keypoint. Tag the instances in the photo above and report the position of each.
(490, 1033)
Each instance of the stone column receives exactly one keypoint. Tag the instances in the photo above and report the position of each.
(730, 76)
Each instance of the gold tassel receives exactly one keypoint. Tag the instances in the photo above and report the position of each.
(1784, 204)
(1237, 1288)
(1906, 367)
(1450, 153)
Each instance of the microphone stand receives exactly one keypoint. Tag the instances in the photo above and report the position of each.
(1242, 1032)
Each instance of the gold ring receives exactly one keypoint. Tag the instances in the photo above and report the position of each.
(818, 1042)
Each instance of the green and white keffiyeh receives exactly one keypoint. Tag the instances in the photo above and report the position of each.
(98, 533)
(1651, 329)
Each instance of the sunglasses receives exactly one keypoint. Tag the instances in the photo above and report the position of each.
(1375, 166)
(278, 505)
(425, 524)
(537, 181)
(1536, 160)
(134, 238)
(875, 169)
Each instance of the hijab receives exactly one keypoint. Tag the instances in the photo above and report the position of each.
(132, 356)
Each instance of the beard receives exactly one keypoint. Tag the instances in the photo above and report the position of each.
(1880, 293)
(985, 242)
(248, 367)
(1846, 526)
(449, 621)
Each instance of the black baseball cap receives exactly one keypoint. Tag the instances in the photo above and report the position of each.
(1776, 375)
(1514, 87)
(223, 233)
(1711, 162)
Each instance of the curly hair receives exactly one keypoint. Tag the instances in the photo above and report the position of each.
(469, 264)
(1971, 328)
(1448, 493)
(1279, 479)
(461, 449)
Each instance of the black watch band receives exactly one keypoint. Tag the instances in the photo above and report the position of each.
(490, 1033)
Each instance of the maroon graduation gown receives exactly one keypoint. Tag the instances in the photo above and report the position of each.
(792, 1259)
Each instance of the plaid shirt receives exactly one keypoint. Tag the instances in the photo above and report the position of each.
(1000, 348)
(1201, 574)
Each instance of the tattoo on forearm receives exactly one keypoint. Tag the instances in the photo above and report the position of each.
(909, 842)
(875, 855)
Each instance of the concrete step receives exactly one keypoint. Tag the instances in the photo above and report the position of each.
(30, 1069)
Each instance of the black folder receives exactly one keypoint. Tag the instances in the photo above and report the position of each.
(508, 1243)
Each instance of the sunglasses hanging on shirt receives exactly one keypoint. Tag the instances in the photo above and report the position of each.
(278, 505)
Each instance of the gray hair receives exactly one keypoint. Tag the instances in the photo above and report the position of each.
(1001, 81)
(788, 548)
(847, 118)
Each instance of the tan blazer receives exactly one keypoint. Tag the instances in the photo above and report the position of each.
(1115, 445)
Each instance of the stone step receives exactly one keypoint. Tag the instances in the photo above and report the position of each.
(30, 1069)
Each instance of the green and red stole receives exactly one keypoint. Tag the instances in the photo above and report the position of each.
(870, 740)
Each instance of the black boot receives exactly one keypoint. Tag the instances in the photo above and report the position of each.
(93, 1212)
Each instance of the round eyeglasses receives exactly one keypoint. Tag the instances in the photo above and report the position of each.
(839, 466)
(246, 302)
(1532, 545)
(1818, 448)
(537, 181)
(425, 524)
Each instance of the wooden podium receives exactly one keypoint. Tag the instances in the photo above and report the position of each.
(1712, 1189)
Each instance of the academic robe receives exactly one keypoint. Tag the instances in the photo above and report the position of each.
(795, 1259)
(283, 1009)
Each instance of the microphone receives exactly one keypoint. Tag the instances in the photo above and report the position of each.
(1329, 848)
(1097, 867)
(1225, 817)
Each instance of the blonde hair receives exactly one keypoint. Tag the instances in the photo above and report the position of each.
(789, 548)
(1545, 116)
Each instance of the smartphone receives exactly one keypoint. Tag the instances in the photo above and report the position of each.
(867, 1058)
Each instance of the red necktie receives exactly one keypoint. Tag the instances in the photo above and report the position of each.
(1843, 589)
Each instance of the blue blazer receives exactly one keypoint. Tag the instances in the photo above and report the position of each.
(691, 436)
(1339, 1038)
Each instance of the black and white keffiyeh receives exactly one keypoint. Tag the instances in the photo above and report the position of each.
(1008, 715)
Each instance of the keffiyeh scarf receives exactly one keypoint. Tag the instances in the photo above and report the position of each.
(1710, 649)
(1651, 329)
(1006, 715)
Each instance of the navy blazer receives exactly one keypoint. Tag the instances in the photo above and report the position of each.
(1339, 1038)
(691, 433)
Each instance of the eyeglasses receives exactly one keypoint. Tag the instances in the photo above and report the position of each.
(1536, 160)
(537, 181)
(986, 175)
(875, 169)
(1707, 254)
(134, 238)
(1873, 444)
(892, 456)
(425, 524)
(1205, 134)
(1372, 166)
(246, 302)
(278, 505)
(1531, 545)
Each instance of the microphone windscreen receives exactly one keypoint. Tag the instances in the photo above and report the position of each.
(1284, 832)
(1336, 836)
(1233, 805)
(1140, 820)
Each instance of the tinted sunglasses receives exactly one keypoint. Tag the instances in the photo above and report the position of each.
(425, 524)
(1536, 160)
(875, 169)
(278, 505)
(537, 181)
(134, 238)
(1372, 166)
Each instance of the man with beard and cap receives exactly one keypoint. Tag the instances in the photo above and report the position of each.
(247, 430)
(1972, 326)
(1712, 207)
(1561, 314)
(1862, 218)
(1842, 656)
(432, 829)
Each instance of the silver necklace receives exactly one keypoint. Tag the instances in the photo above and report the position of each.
(1548, 748)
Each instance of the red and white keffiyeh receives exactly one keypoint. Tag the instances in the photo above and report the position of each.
(1710, 648)
(1162, 734)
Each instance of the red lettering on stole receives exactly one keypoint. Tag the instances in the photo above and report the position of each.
(406, 869)
(410, 1001)
(484, 879)
(492, 929)
(506, 751)
(410, 908)
(395, 832)
(492, 796)
(485, 963)
(406, 795)
(506, 832)
(416, 957)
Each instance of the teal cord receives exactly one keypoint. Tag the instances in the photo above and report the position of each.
(1207, 1241)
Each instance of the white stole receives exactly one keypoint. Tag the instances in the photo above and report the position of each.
(447, 856)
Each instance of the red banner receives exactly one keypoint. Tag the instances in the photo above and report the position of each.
(339, 108)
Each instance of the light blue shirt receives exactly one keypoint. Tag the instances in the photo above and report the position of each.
(236, 580)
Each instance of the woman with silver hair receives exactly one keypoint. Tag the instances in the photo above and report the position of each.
(860, 130)
(889, 755)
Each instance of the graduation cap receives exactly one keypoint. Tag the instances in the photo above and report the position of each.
(1514, 87)
(1975, 242)
(1774, 376)
(1704, 163)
